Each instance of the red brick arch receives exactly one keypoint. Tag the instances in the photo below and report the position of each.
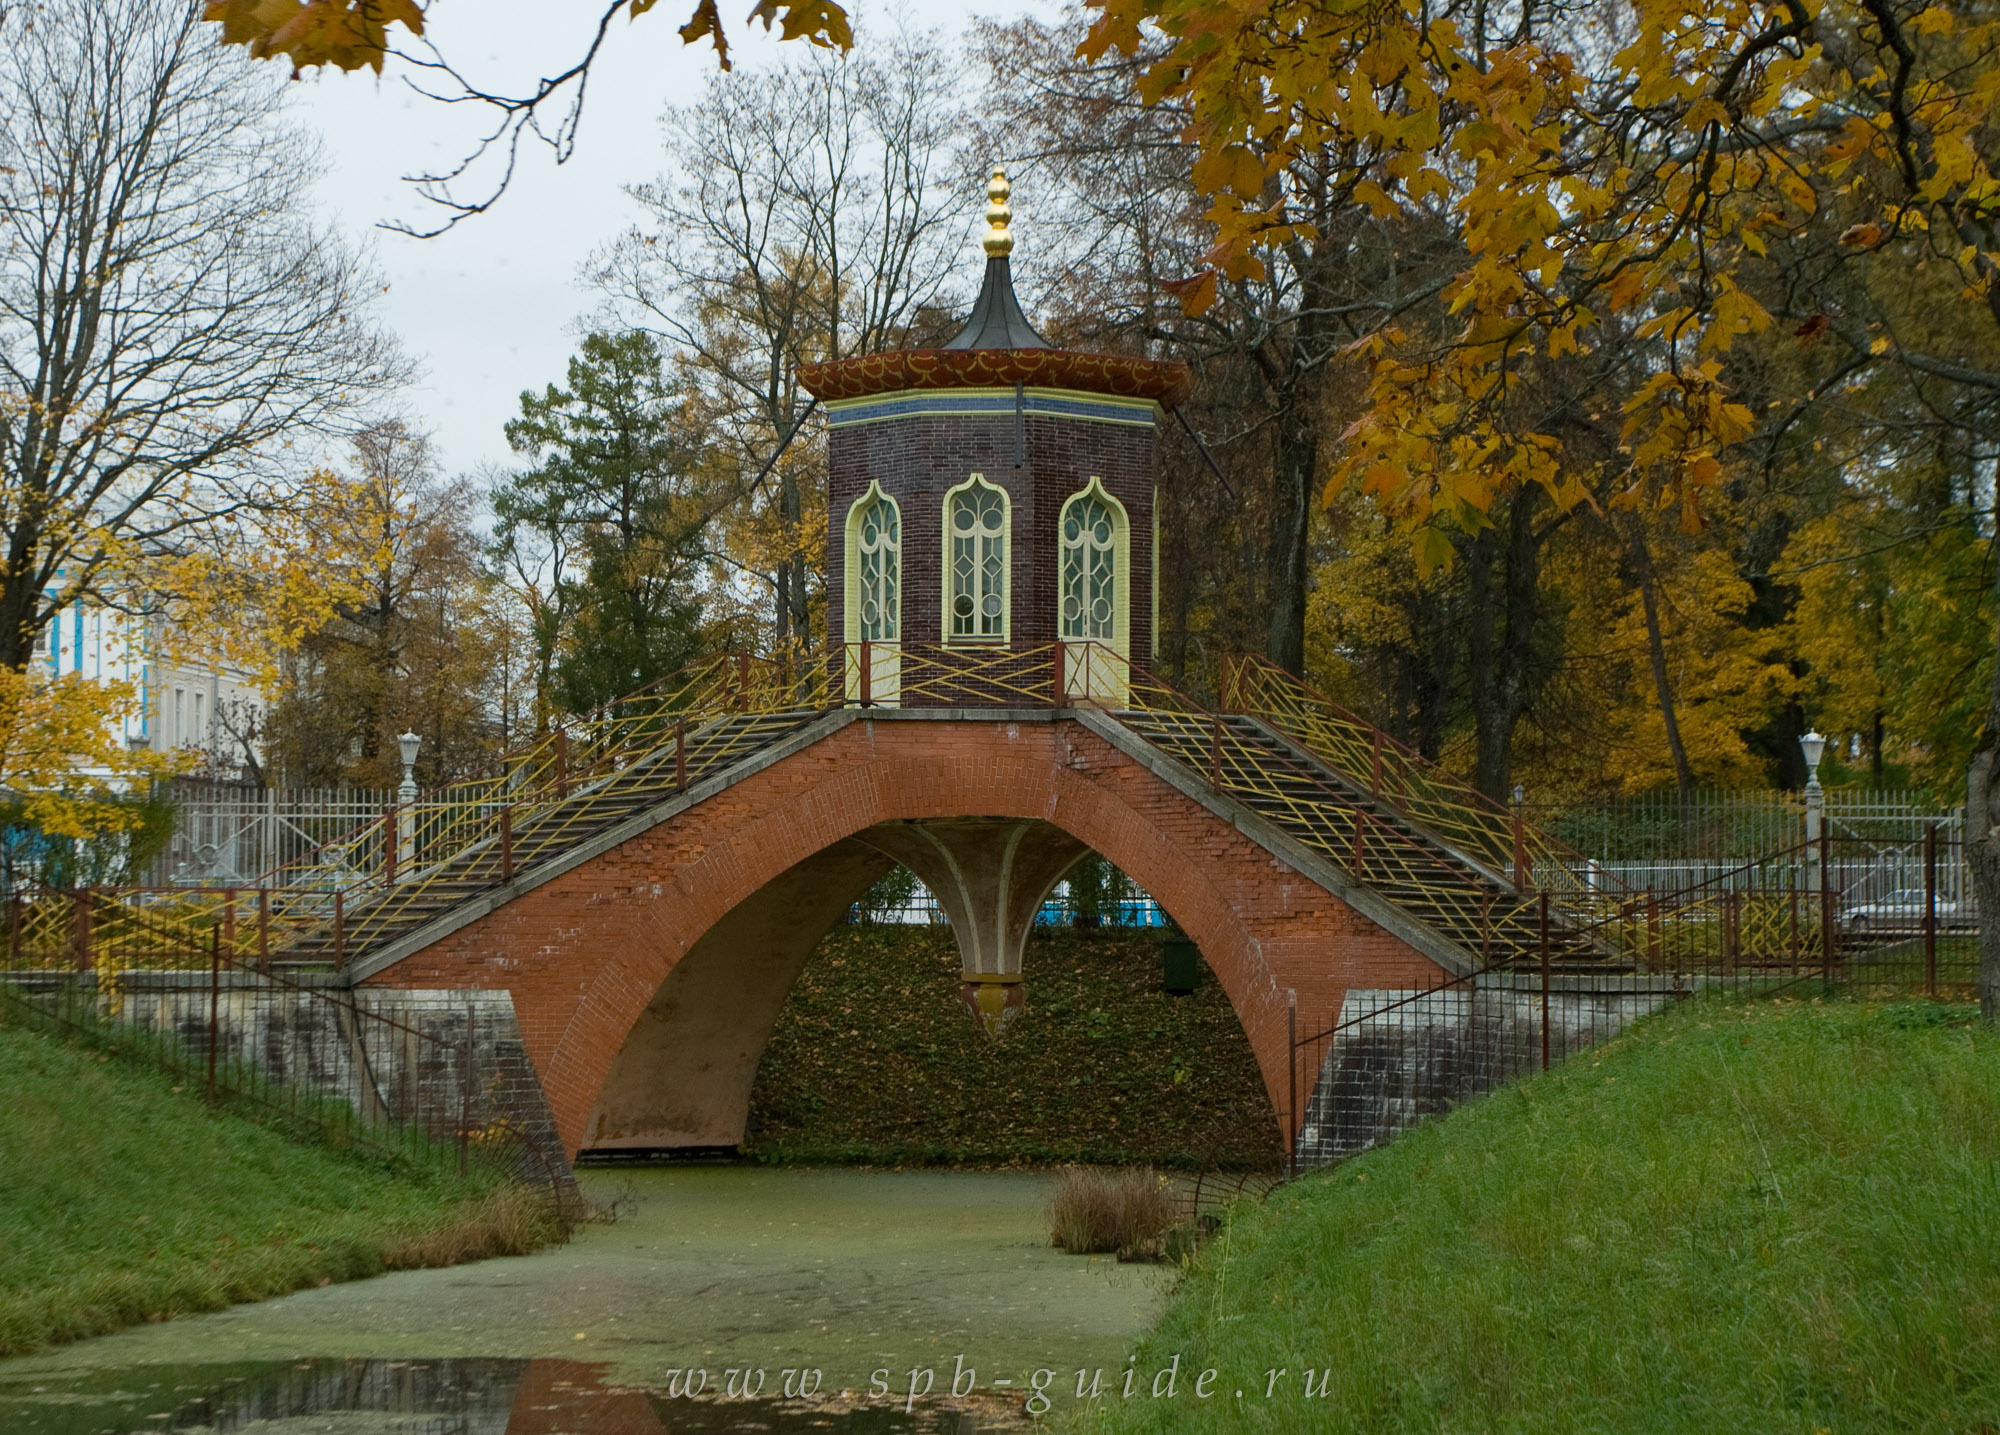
(587, 954)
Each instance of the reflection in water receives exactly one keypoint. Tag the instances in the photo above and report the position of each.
(441, 1397)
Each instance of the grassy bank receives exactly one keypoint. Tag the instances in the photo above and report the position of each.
(124, 1199)
(1775, 1216)
(874, 1059)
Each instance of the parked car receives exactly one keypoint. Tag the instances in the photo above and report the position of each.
(1903, 911)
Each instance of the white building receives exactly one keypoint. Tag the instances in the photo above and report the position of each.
(183, 702)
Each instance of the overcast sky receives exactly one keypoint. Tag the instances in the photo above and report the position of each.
(490, 308)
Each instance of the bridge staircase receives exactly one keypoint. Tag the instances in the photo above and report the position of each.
(1392, 822)
(1389, 821)
(533, 834)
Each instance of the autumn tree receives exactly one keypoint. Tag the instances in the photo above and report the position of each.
(1119, 228)
(818, 211)
(1643, 163)
(414, 638)
(171, 317)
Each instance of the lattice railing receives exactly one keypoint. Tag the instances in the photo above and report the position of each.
(1399, 777)
(386, 876)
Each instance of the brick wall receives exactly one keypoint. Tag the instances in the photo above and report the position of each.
(585, 953)
(918, 459)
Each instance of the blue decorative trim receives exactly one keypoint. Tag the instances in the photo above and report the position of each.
(924, 403)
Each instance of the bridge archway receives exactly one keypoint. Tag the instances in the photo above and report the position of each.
(647, 976)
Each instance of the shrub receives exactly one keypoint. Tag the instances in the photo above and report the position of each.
(1093, 1212)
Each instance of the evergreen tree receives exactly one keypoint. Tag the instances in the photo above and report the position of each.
(610, 521)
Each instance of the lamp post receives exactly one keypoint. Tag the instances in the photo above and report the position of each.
(406, 807)
(1813, 747)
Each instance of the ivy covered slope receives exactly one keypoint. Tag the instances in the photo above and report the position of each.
(124, 1198)
(874, 1059)
(1777, 1216)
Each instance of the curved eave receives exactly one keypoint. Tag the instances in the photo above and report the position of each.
(1165, 383)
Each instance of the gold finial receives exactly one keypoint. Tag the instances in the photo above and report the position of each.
(999, 241)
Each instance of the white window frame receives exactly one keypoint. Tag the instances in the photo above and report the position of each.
(1120, 637)
(972, 485)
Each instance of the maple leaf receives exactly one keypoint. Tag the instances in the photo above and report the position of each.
(706, 20)
(1196, 292)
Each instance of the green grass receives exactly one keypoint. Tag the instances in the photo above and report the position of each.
(124, 1199)
(875, 1060)
(1740, 1215)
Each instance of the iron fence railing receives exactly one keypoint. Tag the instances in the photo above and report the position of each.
(1401, 826)
(414, 1085)
(1815, 918)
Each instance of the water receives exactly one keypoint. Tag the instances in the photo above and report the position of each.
(450, 1397)
(884, 1283)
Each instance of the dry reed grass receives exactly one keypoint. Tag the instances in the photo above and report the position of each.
(511, 1221)
(1094, 1211)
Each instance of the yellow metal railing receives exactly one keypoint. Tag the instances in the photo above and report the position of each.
(1387, 772)
(1394, 821)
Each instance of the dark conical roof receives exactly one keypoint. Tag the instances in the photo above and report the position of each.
(997, 321)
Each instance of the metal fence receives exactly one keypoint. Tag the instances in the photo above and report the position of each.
(1659, 831)
(1843, 915)
(1134, 908)
(415, 1084)
(228, 834)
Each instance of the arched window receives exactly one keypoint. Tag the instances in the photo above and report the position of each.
(1093, 581)
(1093, 596)
(975, 581)
(875, 568)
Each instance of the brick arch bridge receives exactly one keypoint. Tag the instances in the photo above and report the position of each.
(648, 965)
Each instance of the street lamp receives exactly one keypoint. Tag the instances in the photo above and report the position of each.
(406, 806)
(410, 742)
(1813, 747)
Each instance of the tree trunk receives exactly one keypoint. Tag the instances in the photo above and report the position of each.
(1982, 859)
(1504, 613)
(1656, 651)
(1982, 831)
(1296, 462)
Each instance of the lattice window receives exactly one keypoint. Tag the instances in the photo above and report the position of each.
(876, 560)
(976, 581)
(1090, 559)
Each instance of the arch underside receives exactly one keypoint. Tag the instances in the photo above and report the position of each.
(682, 1077)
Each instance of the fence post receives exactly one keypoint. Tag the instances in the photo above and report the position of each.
(1653, 943)
(14, 928)
(866, 687)
(391, 840)
(465, 1087)
(1826, 913)
(214, 999)
(1292, 1077)
(1545, 981)
(264, 928)
(1930, 910)
(229, 919)
(1375, 781)
(340, 931)
(1520, 851)
(1057, 678)
(84, 905)
(507, 843)
(681, 754)
(1215, 752)
(743, 682)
